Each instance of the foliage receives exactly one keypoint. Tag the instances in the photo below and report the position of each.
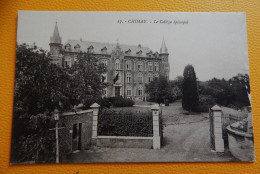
(159, 90)
(40, 87)
(105, 103)
(121, 102)
(122, 123)
(205, 102)
(232, 93)
(190, 99)
(86, 80)
(176, 87)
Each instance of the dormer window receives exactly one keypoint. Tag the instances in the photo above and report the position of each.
(67, 47)
(77, 48)
(156, 54)
(139, 52)
(128, 51)
(90, 49)
(104, 50)
(150, 53)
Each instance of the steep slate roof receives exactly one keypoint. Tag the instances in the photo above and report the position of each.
(163, 47)
(84, 45)
(56, 36)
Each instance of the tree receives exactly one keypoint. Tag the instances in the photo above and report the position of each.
(87, 80)
(159, 90)
(40, 87)
(176, 87)
(190, 97)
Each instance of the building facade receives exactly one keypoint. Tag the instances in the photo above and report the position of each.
(129, 67)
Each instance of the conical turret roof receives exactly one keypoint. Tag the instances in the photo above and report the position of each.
(163, 49)
(56, 36)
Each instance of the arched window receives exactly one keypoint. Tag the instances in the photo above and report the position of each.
(156, 66)
(140, 66)
(117, 64)
(128, 65)
(67, 61)
(129, 91)
(150, 77)
(140, 90)
(129, 78)
(140, 78)
(150, 66)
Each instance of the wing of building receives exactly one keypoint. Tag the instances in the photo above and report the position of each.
(129, 67)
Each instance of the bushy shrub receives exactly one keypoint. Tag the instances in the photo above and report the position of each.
(121, 102)
(105, 102)
(205, 102)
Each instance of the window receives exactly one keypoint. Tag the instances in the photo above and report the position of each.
(150, 66)
(128, 78)
(103, 78)
(117, 64)
(67, 47)
(156, 75)
(140, 78)
(128, 65)
(105, 91)
(150, 77)
(67, 61)
(129, 91)
(140, 66)
(104, 61)
(156, 66)
(140, 90)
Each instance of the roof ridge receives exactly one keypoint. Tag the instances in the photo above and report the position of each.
(113, 44)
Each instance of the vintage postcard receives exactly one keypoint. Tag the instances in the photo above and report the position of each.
(100, 87)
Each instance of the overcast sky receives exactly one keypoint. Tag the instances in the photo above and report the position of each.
(214, 43)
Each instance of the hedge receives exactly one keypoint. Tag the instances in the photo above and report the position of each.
(116, 102)
(112, 123)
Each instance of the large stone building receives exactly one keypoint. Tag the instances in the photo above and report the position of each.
(129, 67)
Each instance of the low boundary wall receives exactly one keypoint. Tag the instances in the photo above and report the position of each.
(241, 144)
(123, 142)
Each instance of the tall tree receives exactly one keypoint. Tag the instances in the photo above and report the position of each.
(87, 80)
(159, 90)
(40, 87)
(190, 98)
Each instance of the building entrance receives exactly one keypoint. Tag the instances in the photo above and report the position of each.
(117, 91)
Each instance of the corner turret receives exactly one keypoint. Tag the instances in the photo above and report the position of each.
(163, 49)
(164, 55)
(56, 47)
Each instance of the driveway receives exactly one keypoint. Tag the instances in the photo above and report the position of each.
(186, 138)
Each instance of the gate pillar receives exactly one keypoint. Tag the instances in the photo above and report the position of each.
(95, 108)
(217, 129)
(156, 127)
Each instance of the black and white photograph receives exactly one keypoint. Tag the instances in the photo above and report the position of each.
(108, 87)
